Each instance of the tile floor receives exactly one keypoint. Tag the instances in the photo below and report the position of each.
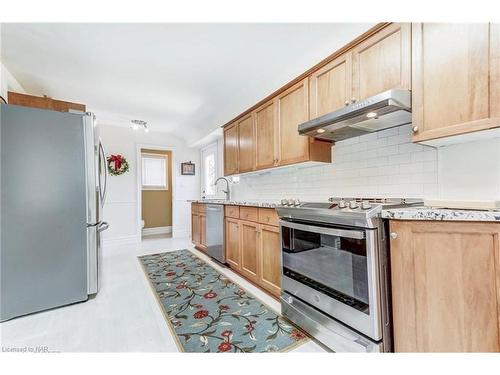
(123, 317)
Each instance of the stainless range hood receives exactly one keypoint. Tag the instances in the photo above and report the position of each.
(383, 111)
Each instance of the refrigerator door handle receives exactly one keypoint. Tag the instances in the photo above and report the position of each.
(103, 164)
(102, 226)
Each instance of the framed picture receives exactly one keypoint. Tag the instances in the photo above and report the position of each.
(187, 168)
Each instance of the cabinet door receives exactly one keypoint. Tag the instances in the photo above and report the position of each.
(203, 230)
(293, 109)
(456, 78)
(331, 86)
(233, 243)
(382, 62)
(246, 142)
(195, 228)
(266, 135)
(231, 149)
(270, 259)
(444, 278)
(249, 244)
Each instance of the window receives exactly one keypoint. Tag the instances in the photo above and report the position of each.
(154, 172)
(208, 170)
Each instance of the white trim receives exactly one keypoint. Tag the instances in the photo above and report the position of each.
(119, 241)
(156, 230)
(215, 146)
(138, 185)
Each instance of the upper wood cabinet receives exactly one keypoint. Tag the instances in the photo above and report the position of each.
(246, 142)
(231, 149)
(445, 294)
(382, 62)
(293, 109)
(43, 102)
(331, 86)
(266, 135)
(456, 78)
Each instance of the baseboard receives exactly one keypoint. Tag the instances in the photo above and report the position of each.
(157, 230)
(119, 241)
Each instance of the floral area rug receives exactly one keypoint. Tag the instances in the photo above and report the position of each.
(207, 312)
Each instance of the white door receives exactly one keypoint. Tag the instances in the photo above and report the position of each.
(208, 171)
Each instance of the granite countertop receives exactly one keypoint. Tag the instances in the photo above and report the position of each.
(442, 214)
(255, 203)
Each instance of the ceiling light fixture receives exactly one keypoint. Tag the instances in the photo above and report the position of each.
(140, 124)
(320, 131)
(371, 114)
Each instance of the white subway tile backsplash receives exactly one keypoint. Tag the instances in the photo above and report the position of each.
(379, 164)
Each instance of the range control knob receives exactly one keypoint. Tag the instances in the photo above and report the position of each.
(290, 202)
(342, 204)
(289, 299)
(284, 202)
(353, 204)
(296, 202)
(366, 205)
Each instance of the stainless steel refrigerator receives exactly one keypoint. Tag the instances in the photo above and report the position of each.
(53, 187)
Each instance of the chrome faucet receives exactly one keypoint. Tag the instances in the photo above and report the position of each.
(227, 192)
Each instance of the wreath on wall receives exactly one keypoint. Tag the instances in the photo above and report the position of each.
(117, 165)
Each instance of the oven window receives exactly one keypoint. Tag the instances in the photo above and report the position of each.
(333, 265)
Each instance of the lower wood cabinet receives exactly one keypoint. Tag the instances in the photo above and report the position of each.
(270, 259)
(249, 247)
(232, 242)
(195, 228)
(445, 286)
(198, 225)
(253, 250)
(203, 230)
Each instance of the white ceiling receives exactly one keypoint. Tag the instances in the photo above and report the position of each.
(186, 79)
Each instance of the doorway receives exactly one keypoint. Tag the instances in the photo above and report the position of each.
(156, 195)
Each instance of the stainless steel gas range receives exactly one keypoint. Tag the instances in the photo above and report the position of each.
(336, 271)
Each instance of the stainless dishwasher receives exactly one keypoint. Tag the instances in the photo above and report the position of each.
(215, 232)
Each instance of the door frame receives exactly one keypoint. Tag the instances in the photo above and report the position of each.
(214, 145)
(139, 147)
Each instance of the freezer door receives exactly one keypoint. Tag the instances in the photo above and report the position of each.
(43, 217)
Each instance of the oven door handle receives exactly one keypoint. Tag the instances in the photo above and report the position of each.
(346, 233)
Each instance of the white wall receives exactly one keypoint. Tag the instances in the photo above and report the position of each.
(120, 209)
(470, 171)
(383, 164)
(8, 82)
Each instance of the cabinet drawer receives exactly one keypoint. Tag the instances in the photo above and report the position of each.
(249, 213)
(232, 211)
(268, 216)
(202, 208)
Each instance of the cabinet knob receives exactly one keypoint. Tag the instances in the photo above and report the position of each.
(394, 235)
(353, 100)
(415, 129)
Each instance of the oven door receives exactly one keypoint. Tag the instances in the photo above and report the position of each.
(334, 269)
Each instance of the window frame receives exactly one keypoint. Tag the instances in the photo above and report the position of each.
(150, 155)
